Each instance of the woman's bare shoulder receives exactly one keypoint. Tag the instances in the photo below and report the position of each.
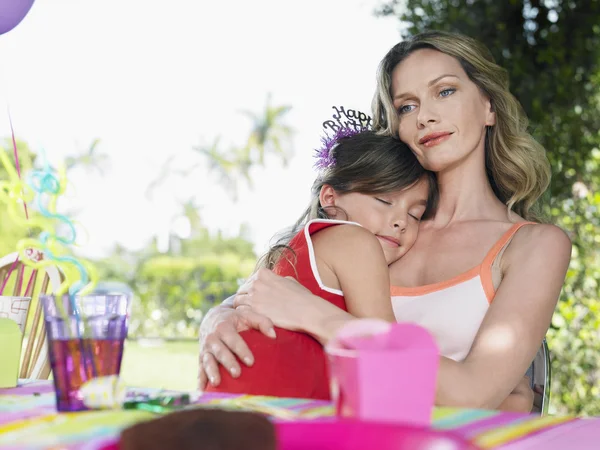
(539, 241)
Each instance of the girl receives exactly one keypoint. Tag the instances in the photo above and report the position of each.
(378, 189)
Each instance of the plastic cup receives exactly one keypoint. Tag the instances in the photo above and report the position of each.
(86, 336)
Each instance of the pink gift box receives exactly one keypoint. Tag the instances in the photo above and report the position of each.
(384, 372)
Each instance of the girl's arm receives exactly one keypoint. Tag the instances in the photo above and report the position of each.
(350, 258)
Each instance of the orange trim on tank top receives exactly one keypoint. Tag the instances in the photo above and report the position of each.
(484, 270)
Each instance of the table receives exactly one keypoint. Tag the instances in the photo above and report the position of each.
(28, 419)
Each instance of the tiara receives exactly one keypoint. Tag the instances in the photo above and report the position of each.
(344, 123)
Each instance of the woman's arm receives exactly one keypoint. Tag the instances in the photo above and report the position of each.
(534, 266)
(520, 399)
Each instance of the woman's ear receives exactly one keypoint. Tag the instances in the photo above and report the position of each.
(490, 119)
(327, 196)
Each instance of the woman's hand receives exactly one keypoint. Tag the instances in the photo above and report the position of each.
(291, 306)
(220, 341)
(281, 299)
(521, 399)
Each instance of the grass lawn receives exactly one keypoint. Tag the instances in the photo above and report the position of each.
(168, 365)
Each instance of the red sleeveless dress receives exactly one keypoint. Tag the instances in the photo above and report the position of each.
(294, 364)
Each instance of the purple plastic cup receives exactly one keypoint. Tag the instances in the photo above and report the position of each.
(86, 336)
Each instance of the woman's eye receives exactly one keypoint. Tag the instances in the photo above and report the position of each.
(405, 109)
(447, 92)
(382, 201)
(415, 217)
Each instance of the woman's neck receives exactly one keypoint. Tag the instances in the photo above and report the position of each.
(466, 194)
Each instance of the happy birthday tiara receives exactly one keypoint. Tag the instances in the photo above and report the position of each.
(344, 123)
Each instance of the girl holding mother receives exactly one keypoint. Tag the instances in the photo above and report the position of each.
(484, 276)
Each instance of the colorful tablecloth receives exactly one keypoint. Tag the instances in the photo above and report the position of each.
(28, 419)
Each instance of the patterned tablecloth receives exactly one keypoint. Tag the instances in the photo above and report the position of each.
(28, 419)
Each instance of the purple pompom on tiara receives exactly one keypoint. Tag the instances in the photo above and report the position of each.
(345, 123)
(324, 155)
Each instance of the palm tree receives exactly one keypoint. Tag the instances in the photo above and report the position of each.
(225, 164)
(269, 134)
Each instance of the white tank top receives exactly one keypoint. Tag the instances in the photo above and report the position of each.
(453, 310)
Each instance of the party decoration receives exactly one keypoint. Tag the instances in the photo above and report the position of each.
(344, 123)
(16, 176)
(12, 12)
(44, 187)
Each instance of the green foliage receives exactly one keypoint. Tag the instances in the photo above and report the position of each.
(574, 338)
(552, 52)
(174, 289)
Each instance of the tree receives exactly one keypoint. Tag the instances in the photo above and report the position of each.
(552, 51)
(173, 290)
(269, 135)
(269, 132)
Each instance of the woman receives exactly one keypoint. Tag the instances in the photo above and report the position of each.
(483, 277)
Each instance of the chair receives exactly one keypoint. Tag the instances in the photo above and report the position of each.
(35, 363)
(540, 375)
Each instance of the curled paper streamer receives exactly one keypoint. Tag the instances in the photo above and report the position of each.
(14, 191)
(46, 185)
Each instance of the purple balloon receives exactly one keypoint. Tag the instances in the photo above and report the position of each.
(12, 12)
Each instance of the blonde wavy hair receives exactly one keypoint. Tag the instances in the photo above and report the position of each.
(516, 163)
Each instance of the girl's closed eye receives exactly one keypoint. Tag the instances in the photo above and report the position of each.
(382, 201)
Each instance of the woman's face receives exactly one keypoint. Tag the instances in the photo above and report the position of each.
(442, 113)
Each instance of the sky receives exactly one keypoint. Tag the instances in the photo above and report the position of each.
(153, 79)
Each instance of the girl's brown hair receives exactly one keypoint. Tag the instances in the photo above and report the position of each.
(366, 163)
